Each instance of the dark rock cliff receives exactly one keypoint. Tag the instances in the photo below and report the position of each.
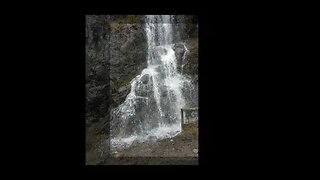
(97, 73)
(116, 48)
(185, 30)
(128, 56)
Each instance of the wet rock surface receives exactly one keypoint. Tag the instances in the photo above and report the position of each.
(179, 150)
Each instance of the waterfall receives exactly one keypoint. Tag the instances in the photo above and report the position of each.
(151, 110)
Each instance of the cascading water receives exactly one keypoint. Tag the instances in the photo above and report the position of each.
(151, 110)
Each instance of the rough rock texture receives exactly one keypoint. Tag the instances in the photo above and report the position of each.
(116, 48)
(190, 69)
(185, 27)
(128, 57)
(97, 74)
(185, 30)
(190, 66)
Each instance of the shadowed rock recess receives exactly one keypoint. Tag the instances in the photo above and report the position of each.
(117, 52)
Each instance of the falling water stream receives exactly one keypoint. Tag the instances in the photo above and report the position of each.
(151, 111)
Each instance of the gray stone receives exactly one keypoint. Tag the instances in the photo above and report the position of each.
(105, 63)
(145, 79)
(124, 88)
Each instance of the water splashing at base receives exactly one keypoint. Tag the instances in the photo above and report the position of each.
(151, 110)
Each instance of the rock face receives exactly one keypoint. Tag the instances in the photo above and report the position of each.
(128, 56)
(185, 27)
(115, 54)
(186, 51)
(97, 73)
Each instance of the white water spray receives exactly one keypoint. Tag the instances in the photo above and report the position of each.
(151, 110)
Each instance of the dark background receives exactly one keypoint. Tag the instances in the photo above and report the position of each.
(44, 75)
